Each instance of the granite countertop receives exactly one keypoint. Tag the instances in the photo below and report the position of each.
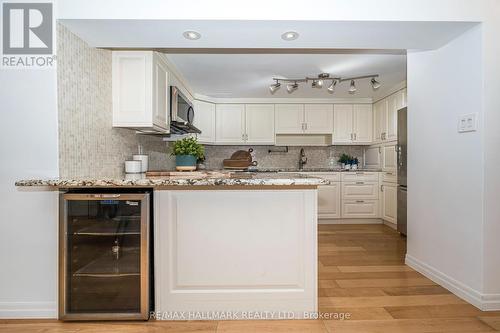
(264, 170)
(211, 179)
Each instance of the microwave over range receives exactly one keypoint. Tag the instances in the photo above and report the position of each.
(181, 113)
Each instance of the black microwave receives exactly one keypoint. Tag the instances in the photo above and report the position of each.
(181, 113)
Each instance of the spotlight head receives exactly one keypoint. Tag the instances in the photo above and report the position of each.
(375, 84)
(331, 87)
(317, 83)
(273, 87)
(352, 88)
(291, 87)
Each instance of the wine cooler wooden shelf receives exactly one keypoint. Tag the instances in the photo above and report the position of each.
(107, 265)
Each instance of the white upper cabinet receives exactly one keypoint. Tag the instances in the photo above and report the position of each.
(363, 123)
(380, 120)
(230, 123)
(386, 116)
(259, 123)
(244, 124)
(289, 118)
(140, 91)
(204, 120)
(318, 118)
(353, 124)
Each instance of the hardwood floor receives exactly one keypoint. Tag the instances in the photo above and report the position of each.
(361, 274)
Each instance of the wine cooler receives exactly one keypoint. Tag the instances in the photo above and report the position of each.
(104, 256)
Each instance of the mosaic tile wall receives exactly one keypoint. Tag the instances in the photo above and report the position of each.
(88, 145)
(317, 157)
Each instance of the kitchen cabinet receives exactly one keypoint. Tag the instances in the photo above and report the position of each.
(372, 157)
(329, 199)
(380, 120)
(289, 118)
(259, 123)
(140, 89)
(244, 124)
(304, 119)
(389, 202)
(359, 190)
(230, 123)
(204, 120)
(389, 157)
(318, 118)
(353, 124)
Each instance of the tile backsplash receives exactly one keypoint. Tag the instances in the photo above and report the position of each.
(88, 144)
(317, 157)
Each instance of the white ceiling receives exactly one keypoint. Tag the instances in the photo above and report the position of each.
(266, 34)
(249, 75)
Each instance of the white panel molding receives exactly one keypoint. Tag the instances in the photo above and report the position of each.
(25, 310)
(350, 221)
(218, 100)
(390, 91)
(485, 302)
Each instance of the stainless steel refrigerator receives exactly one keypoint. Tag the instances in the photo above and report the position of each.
(402, 164)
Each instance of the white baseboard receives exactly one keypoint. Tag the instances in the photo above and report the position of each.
(485, 302)
(391, 225)
(25, 310)
(349, 221)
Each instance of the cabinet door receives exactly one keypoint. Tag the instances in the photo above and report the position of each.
(318, 118)
(204, 120)
(363, 123)
(329, 201)
(289, 118)
(359, 190)
(342, 123)
(372, 157)
(230, 123)
(395, 102)
(389, 202)
(132, 89)
(389, 158)
(160, 92)
(360, 209)
(259, 123)
(380, 120)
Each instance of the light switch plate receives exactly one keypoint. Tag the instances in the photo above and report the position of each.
(467, 123)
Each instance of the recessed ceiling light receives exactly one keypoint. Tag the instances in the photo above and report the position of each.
(290, 35)
(191, 35)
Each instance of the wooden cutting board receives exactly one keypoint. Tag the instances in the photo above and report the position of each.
(160, 173)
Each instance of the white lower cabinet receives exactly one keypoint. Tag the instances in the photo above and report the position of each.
(389, 202)
(329, 201)
(360, 209)
(359, 190)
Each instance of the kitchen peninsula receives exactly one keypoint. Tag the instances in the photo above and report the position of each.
(237, 242)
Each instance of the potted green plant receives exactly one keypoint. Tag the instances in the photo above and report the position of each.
(187, 151)
(344, 160)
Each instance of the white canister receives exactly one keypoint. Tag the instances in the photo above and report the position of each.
(143, 159)
(133, 166)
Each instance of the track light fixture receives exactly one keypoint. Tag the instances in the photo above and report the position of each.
(375, 84)
(275, 86)
(318, 81)
(352, 88)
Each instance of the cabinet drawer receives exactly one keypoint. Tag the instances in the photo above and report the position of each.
(360, 208)
(359, 190)
(389, 177)
(331, 176)
(359, 176)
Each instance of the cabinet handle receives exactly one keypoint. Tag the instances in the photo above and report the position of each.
(305, 126)
(389, 173)
(351, 136)
(361, 183)
(381, 188)
(360, 201)
(355, 136)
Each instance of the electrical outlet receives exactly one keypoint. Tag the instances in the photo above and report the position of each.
(467, 123)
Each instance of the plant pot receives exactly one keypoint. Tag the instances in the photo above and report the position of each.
(354, 167)
(347, 167)
(185, 162)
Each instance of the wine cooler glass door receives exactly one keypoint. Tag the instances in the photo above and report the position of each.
(105, 263)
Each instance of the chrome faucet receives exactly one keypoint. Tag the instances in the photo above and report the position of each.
(302, 159)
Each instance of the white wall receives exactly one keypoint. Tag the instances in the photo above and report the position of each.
(445, 177)
(28, 220)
